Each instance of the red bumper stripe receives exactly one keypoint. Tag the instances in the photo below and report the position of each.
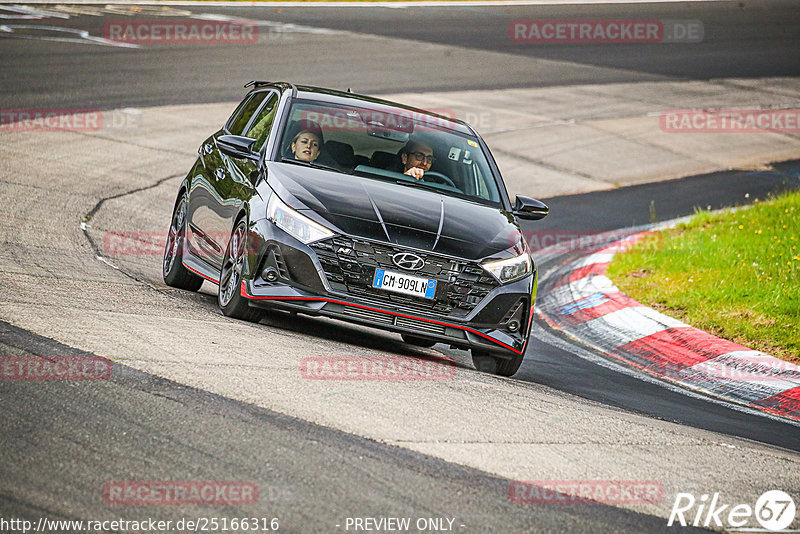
(245, 294)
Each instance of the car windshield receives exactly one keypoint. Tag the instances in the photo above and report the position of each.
(382, 143)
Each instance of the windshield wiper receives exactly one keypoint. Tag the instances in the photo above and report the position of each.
(312, 164)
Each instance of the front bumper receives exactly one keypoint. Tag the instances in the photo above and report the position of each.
(303, 287)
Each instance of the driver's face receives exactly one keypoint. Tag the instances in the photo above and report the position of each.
(419, 156)
(306, 148)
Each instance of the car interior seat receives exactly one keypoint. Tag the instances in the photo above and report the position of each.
(341, 153)
(386, 160)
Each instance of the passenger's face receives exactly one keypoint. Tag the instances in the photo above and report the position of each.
(419, 156)
(306, 147)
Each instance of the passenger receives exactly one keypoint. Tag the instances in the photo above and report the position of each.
(306, 145)
(417, 158)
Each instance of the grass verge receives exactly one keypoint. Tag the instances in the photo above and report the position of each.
(735, 274)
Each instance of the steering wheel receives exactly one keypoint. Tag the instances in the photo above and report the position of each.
(439, 178)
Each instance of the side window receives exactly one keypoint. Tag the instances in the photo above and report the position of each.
(259, 129)
(241, 116)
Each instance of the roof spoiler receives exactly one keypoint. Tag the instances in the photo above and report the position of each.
(258, 83)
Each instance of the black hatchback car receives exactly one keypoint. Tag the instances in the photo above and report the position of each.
(330, 203)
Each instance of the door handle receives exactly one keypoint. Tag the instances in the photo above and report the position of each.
(220, 174)
(208, 148)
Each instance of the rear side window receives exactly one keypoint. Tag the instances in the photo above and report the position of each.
(260, 127)
(244, 112)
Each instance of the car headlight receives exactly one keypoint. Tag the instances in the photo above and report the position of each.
(509, 270)
(293, 223)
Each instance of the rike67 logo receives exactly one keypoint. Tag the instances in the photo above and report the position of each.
(774, 510)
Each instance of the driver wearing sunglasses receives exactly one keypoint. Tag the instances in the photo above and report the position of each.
(417, 158)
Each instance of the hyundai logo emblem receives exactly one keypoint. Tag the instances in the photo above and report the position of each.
(409, 261)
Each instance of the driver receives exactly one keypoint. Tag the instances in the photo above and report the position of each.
(417, 158)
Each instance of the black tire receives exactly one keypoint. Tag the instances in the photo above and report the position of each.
(418, 341)
(172, 269)
(486, 363)
(229, 295)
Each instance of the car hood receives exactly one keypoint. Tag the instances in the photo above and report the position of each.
(388, 212)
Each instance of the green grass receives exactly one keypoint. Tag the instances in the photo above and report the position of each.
(735, 274)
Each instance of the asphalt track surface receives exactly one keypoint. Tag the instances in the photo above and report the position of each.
(137, 423)
(310, 477)
(741, 39)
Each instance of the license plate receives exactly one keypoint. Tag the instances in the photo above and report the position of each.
(404, 283)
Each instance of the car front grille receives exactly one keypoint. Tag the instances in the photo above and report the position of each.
(421, 326)
(369, 315)
(350, 264)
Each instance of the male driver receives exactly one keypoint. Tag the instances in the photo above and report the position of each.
(417, 158)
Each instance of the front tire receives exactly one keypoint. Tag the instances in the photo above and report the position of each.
(172, 269)
(486, 363)
(229, 296)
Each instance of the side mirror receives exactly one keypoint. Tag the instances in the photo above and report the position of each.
(237, 146)
(530, 208)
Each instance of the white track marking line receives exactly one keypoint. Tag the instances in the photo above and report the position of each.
(34, 13)
(83, 36)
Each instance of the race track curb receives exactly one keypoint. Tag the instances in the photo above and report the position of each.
(578, 298)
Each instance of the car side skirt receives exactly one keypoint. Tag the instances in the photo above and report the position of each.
(199, 268)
